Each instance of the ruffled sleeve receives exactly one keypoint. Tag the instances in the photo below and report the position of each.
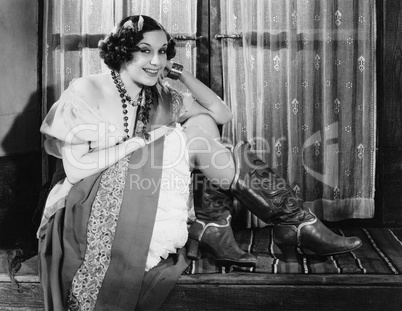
(70, 120)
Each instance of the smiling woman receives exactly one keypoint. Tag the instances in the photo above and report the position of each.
(112, 242)
(101, 230)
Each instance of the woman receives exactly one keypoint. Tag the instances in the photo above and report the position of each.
(122, 208)
(113, 205)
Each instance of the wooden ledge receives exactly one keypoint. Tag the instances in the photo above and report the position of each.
(291, 279)
(254, 279)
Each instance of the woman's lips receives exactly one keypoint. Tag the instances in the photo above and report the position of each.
(151, 72)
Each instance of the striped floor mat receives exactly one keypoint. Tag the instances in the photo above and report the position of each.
(381, 253)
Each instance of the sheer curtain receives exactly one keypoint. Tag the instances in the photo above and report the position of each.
(73, 28)
(301, 83)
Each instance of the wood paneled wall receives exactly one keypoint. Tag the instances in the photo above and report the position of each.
(19, 102)
(20, 160)
(389, 160)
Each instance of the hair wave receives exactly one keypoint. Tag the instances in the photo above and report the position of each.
(118, 47)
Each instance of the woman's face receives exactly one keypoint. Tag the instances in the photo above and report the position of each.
(148, 64)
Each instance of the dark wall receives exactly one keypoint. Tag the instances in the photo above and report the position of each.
(20, 160)
(389, 160)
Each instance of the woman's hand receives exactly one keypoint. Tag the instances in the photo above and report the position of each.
(80, 162)
(156, 133)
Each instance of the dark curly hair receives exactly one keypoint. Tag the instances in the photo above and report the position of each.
(118, 47)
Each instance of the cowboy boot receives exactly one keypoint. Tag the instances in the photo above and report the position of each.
(271, 199)
(212, 230)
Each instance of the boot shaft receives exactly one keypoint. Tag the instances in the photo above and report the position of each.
(263, 192)
(215, 203)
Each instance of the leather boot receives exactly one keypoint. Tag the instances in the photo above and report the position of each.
(212, 230)
(271, 199)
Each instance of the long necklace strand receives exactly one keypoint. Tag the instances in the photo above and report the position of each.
(144, 106)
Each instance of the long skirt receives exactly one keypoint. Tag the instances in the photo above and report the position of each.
(93, 254)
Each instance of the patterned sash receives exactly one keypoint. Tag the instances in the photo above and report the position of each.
(107, 232)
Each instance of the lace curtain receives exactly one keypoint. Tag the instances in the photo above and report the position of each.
(73, 28)
(300, 79)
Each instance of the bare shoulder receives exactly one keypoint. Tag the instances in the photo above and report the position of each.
(91, 88)
(89, 85)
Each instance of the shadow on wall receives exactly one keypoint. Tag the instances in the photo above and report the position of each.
(20, 179)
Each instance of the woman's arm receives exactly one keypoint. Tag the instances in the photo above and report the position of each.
(206, 100)
(80, 162)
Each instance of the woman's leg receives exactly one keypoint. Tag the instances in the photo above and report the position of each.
(269, 197)
(207, 153)
(212, 227)
(265, 194)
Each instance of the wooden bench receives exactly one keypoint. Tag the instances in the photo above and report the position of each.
(378, 286)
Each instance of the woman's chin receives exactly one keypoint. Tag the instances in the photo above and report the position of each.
(151, 81)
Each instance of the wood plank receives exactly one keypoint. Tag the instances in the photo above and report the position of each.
(389, 119)
(391, 184)
(203, 45)
(19, 101)
(390, 73)
(388, 195)
(27, 273)
(256, 279)
(269, 297)
(216, 74)
(20, 183)
(20, 278)
(4, 308)
(243, 297)
(28, 295)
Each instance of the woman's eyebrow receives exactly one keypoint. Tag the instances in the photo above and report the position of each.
(151, 45)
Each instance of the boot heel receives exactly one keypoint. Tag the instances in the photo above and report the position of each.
(193, 249)
(289, 253)
(285, 237)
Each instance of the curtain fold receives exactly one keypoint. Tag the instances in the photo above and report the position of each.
(301, 83)
(73, 28)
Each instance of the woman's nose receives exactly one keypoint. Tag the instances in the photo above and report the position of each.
(155, 59)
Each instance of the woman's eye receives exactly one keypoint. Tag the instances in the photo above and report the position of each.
(145, 51)
(162, 51)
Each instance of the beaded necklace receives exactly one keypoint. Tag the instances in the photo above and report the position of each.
(144, 106)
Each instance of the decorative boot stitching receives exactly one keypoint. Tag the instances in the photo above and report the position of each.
(303, 224)
(211, 224)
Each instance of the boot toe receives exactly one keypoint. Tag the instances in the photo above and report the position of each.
(249, 259)
(354, 243)
(349, 244)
